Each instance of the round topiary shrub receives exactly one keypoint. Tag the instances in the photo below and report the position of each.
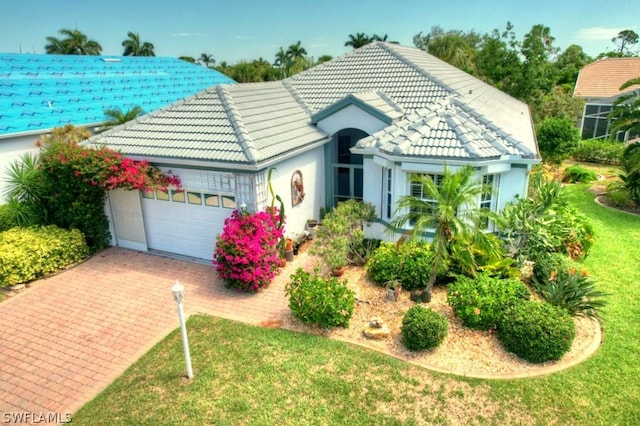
(415, 265)
(382, 266)
(423, 328)
(326, 302)
(536, 331)
(480, 302)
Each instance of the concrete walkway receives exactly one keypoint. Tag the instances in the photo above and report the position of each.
(67, 337)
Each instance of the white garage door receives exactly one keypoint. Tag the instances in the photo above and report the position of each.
(185, 222)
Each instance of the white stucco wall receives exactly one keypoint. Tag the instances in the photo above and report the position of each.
(311, 165)
(11, 149)
(351, 117)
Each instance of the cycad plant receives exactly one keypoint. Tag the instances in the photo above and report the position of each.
(450, 210)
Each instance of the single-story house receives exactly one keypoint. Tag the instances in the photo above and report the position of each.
(41, 92)
(599, 85)
(356, 127)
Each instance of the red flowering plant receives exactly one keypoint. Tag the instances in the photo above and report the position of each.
(246, 254)
(74, 179)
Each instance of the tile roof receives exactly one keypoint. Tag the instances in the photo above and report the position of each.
(603, 78)
(445, 130)
(374, 102)
(258, 122)
(40, 92)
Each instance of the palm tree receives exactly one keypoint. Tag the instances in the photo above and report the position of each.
(116, 116)
(359, 40)
(296, 51)
(75, 43)
(449, 206)
(133, 47)
(206, 59)
(283, 62)
(625, 114)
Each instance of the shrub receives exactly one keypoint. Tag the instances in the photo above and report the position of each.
(29, 253)
(598, 151)
(575, 292)
(340, 239)
(536, 331)
(578, 174)
(382, 266)
(326, 302)
(246, 253)
(557, 138)
(415, 265)
(6, 218)
(480, 302)
(423, 328)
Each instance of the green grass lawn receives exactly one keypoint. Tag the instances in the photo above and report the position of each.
(251, 375)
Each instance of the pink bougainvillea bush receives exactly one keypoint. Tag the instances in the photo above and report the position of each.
(246, 253)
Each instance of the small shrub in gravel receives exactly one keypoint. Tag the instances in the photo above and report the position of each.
(536, 331)
(326, 302)
(480, 302)
(382, 266)
(423, 328)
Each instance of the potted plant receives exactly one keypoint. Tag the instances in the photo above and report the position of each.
(333, 250)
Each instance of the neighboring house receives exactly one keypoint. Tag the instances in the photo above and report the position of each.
(356, 127)
(40, 92)
(599, 85)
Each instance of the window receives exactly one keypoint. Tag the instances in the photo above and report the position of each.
(211, 200)
(148, 194)
(177, 196)
(228, 202)
(490, 185)
(162, 195)
(194, 198)
(417, 190)
(595, 121)
(387, 182)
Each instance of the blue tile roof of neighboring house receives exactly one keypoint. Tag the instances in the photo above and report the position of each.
(40, 92)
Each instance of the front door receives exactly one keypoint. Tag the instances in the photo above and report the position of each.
(346, 172)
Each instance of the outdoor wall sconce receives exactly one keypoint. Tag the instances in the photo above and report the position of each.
(297, 188)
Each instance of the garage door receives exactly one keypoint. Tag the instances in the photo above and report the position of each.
(185, 222)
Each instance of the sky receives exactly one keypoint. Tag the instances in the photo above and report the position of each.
(239, 30)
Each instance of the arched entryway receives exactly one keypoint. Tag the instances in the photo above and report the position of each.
(345, 174)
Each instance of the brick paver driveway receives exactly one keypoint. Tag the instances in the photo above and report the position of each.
(65, 338)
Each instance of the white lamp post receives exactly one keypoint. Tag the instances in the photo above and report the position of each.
(178, 296)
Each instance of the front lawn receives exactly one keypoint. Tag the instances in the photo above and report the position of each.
(251, 375)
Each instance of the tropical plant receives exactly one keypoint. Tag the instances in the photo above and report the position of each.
(134, 47)
(358, 40)
(115, 117)
(74, 43)
(545, 223)
(283, 62)
(296, 51)
(326, 302)
(414, 266)
(74, 179)
(578, 174)
(480, 302)
(24, 191)
(536, 331)
(206, 59)
(423, 328)
(625, 111)
(246, 254)
(571, 290)
(382, 266)
(628, 183)
(451, 211)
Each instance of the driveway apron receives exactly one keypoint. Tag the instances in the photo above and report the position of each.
(67, 337)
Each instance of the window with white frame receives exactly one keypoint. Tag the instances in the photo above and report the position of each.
(488, 196)
(417, 190)
(387, 198)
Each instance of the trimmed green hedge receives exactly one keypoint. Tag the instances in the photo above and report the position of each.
(537, 331)
(29, 253)
(423, 328)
